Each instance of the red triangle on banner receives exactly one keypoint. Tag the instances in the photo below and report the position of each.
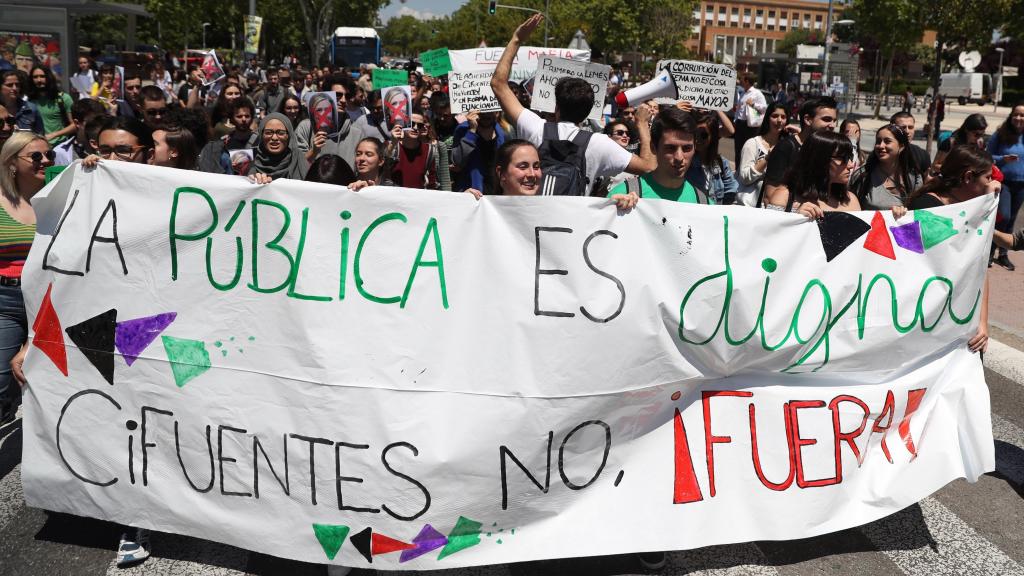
(878, 240)
(381, 544)
(48, 336)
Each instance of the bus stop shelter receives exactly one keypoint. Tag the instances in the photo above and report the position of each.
(43, 31)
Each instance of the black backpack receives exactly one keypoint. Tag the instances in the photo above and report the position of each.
(563, 163)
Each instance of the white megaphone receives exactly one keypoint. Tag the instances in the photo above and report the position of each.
(662, 86)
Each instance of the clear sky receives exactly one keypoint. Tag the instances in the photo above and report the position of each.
(422, 8)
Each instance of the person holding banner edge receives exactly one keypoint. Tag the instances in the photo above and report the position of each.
(603, 156)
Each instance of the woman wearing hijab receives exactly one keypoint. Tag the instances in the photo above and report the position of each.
(277, 156)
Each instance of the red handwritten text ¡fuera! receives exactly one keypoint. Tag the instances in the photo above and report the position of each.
(687, 489)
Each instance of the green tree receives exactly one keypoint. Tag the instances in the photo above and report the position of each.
(408, 36)
(893, 25)
(961, 25)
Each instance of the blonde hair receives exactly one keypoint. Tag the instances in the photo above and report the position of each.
(8, 156)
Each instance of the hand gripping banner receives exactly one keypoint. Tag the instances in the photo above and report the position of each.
(417, 380)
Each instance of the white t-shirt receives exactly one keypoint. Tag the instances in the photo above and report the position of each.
(604, 156)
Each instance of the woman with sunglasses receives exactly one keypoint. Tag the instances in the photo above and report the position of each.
(23, 162)
(710, 172)
(623, 133)
(966, 173)
(819, 181)
(415, 159)
(754, 154)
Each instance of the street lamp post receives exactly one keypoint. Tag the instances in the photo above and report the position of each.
(828, 43)
(999, 87)
(205, 24)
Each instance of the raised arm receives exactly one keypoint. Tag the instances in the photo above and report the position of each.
(644, 160)
(499, 82)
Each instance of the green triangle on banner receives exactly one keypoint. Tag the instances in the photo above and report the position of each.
(465, 534)
(331, 537)
(934, 229)
(188, 358)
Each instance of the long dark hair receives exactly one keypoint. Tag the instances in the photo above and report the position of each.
(222, 107)
(905, 166)
(959, 161)
(302, 109)
(1008, 135)
(710, 119)
(331, 169)
(49, 92)
(184, 141)
(808, 179)
(971, 123)
(765, 124)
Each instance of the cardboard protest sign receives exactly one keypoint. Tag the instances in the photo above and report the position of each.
(704, 84)
(284, 367)
(385, 78)
(212, 68)
(471, 90)
(552, 68)
(436, 62)
(524, 66)
(397, 102)
(323, 112)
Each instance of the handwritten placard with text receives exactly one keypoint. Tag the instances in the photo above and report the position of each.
(436, 62)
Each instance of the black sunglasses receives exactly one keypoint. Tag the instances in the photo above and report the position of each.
(11, 120)
(37, 156)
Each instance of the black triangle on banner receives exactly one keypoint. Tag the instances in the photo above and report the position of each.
(838, 231)
(95, 340)
(362, 543)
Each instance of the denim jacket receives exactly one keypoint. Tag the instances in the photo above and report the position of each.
(722, 179)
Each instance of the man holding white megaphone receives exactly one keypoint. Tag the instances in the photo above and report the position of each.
(594, 155)
(662, 86)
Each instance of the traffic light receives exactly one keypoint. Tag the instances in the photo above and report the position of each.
(492, 7)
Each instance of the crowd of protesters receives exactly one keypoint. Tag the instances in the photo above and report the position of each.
(262, 124)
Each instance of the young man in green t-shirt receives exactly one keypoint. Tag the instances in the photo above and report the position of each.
(672, 139)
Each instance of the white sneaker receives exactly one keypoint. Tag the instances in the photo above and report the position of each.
(334, 570)
(134, 547)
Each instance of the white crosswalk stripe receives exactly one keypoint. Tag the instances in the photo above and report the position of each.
(950, 546)
(1005, 360)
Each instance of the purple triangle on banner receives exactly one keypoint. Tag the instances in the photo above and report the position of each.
(908, 236)
(133, 336)
(427, 540)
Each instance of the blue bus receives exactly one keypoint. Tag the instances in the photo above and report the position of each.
(354, 46)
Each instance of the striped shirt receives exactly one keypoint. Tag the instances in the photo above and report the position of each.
(15, 242)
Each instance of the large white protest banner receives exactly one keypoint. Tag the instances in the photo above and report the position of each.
(423, 380)
(551, 68)
(704, 84)
(471, 90)
(523, 66)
